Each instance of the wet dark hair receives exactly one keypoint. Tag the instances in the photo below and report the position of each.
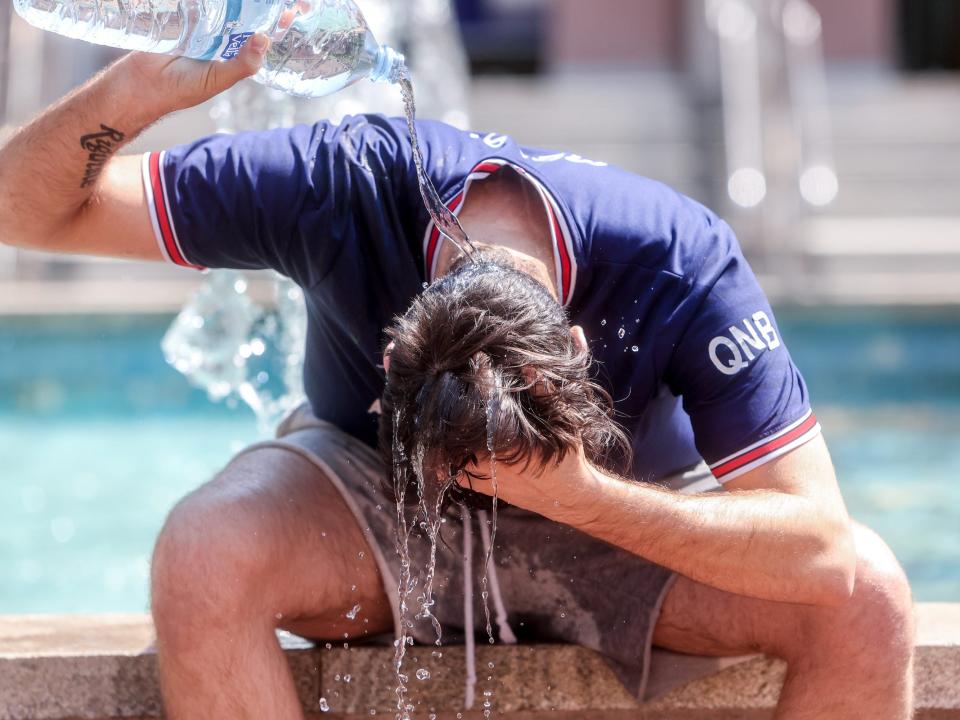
(484, 358)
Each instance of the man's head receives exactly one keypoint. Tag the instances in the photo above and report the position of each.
(486, 358)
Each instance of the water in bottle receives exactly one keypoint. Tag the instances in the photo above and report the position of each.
(317, 46)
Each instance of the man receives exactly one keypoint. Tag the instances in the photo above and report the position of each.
(685, 342)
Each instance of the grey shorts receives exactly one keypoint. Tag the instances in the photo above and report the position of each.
(548, 583)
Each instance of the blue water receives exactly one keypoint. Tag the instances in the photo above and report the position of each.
(99, 438)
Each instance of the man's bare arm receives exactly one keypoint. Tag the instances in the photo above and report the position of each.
(780, 532)
(62, 186)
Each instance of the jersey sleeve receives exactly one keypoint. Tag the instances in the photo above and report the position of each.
(746, 400)
(281, 199)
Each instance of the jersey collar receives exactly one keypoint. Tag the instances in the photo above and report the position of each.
(565, 264)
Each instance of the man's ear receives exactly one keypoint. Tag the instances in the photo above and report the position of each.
(386, 356)
(579, 338)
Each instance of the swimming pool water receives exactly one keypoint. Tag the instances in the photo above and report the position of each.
(99, 438)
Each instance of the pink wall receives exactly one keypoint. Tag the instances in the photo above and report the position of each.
(649, 32)
(858, 29)
(614, 32)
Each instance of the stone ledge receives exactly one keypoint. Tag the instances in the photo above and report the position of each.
(104, 667)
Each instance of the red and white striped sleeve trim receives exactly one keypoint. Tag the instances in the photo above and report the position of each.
(158, 202)
(564, 258)
(780, 443)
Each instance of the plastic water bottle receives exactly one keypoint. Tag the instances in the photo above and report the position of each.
(317, 46)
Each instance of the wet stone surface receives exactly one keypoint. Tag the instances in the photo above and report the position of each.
(104, 667)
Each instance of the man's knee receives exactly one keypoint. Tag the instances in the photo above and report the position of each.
(881, 600)
(212, 560)
(877, 621)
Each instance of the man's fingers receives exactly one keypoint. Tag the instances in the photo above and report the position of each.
(246, 63)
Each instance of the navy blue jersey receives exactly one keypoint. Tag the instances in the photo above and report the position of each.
(683, 337)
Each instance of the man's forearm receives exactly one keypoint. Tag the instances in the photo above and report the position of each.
(49, 169)
(765, 544)
(57, 166)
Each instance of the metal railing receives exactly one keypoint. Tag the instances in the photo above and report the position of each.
(778, 154)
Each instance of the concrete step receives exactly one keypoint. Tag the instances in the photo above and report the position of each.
(897, 196)
(905, 161)
(104, 668)
(901, 241)
(555, 111)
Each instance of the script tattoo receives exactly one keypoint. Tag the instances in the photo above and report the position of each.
(101, 146)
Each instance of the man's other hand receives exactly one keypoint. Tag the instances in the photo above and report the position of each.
(559, 489)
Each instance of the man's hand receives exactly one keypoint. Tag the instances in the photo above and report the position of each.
(561, 489)
(167, 84)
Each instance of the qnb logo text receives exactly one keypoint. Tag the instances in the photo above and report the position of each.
(742, 344)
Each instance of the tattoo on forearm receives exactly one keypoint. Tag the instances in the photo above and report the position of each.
(101, 145)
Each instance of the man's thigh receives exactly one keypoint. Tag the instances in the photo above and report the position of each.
(275, 516)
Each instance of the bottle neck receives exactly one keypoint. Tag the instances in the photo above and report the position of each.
(388, 65)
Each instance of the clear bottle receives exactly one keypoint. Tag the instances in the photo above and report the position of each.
(318, 46)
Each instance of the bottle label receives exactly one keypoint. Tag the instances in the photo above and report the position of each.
(242, 19)
(234, 43)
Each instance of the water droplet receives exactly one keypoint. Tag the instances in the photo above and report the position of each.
(347, 678)
(279, 616)
(620, 333)
(324, 705)
(360, 554)
(352, 615)
(329, 646)
(603, 323)
(423, 674)
(635, 348)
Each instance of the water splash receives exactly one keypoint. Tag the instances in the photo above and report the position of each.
(406, 580)
(445, 221)
(231, 346)
(492, 410)
(429, 520)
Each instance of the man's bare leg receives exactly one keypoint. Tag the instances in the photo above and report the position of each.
(267, 544)
(850, 661)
